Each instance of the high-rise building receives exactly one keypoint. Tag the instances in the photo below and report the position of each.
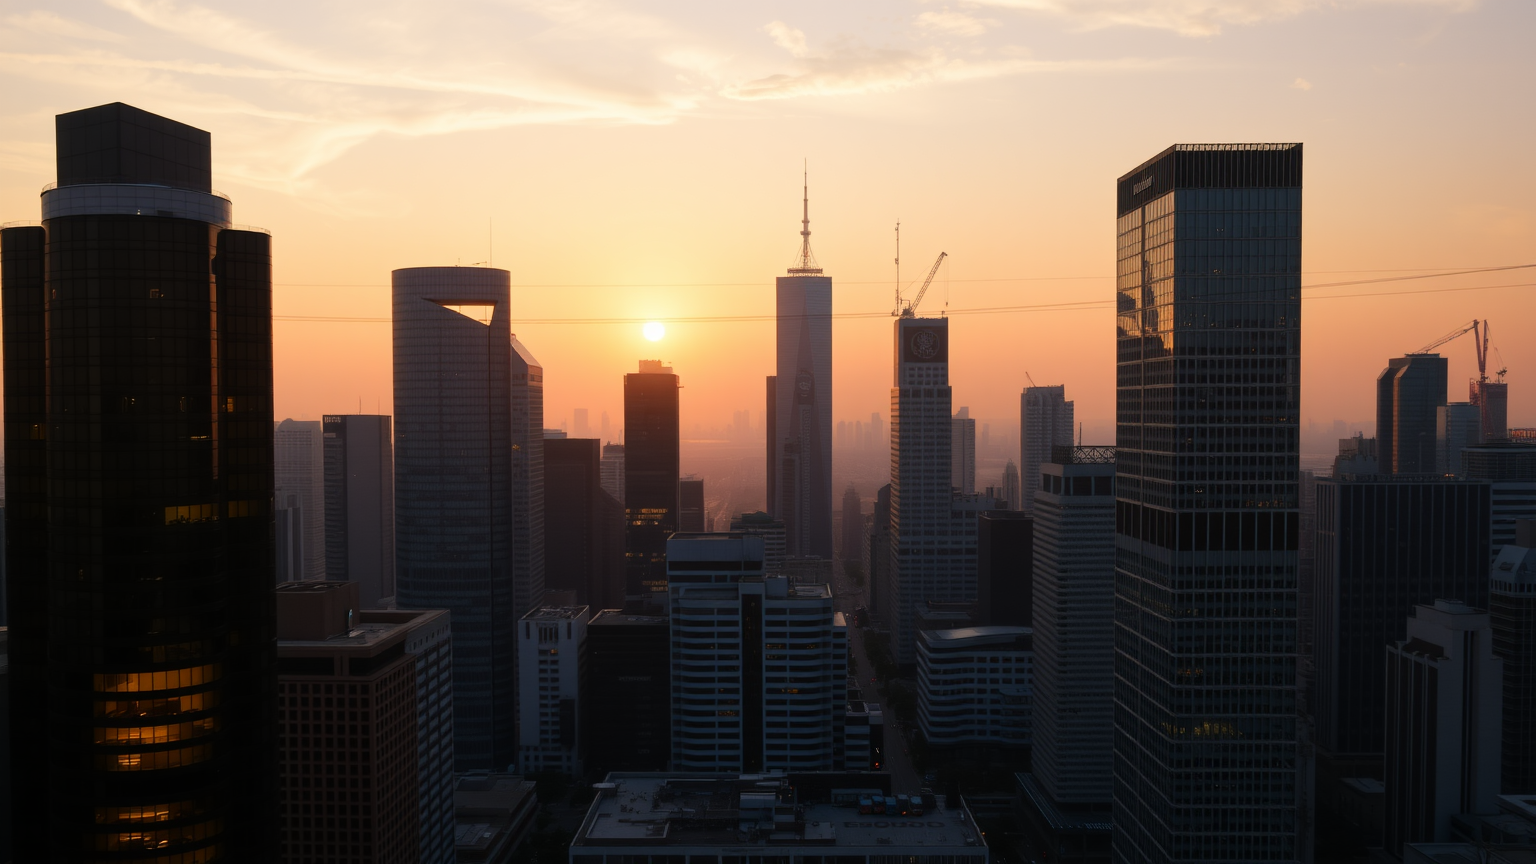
(453, 357)
(1005, 559)
(1357, 455)
(389, 673)
(772, 531)
(1408, 392)
(1208, 396)
(1046, 418)
(1509, 468)
(1512, 614)
(1013, 492)
(583, 525)
(288, 539)
(551, 652)
(527, 400)
(581, 426)
(1498, 406)
(360, 505)
(651, 493)
(612, 469)
(1074, 599)
(853, 525)
(962, 452)
(1457, 426)
(627, 693)
(1442, 723)
(138, 388)
(933, 548)
(298, 460)
(759, 665)
(800, 403)
(691, 511)
(975, 686)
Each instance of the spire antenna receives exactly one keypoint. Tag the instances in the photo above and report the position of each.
(805, 262)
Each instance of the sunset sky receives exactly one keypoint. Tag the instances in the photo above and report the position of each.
(636, 162)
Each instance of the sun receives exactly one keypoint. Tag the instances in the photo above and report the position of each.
(654, 331)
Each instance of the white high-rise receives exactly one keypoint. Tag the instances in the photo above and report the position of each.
(550, 643)
(1045, 421)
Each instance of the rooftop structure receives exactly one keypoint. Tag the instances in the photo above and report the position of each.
(493, 815)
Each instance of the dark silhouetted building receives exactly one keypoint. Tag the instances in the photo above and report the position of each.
(651, 490)
(527, 400)
(583, 525)
(1005, 564)
(1208, 390)
(1512, 612)
(495, 814)
(1408, 393)
(360, 505)
(1509, 467)
(139, 485)
(691, 514)
(627, 693)
(390, 674)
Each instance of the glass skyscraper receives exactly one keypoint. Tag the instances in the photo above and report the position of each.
(138, 459)
(652, 493)
(1208, 341)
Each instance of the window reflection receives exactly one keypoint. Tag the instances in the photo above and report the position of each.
(139, 682)
(156, 734)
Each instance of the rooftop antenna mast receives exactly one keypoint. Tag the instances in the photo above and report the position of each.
(898, 268)
(805, 265)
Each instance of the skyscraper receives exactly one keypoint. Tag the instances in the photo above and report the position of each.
(691, 512)
(360, 505)
(138, 388)
(298, 455)
(1045, 421)
(453, 356)
(1509, 467)
(612, 471)
(1208, 393)
(1457, 426)
(962, 452)
(627, 703)
(583, 525)
(1013, 493)
(527, 379)
(1408, 392)
(550, 657)
(651, 491)
(801, 403)
(1512, 613)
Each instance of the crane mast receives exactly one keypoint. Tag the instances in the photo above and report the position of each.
(910, 310)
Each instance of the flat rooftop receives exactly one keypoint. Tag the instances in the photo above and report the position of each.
(754, 811)
(556, 613)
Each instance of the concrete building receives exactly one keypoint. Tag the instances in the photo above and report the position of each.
(759, 665)
(962, 452)
(1013, 492)
(863, 736)
(691, 510)
(1046, 419)
(1208, 390)
(702, 815)
(388, 674)
(772, 531)
(360, 505)
(1497, 394)
(627, 693)
(1458, 425)
(1443, 708)
(975, 686)
(1512, 614)
(298, 471)
(139, 493)
(583, 525)
(651, 491)
(1509, 467)
(551, 650)
(1409, 394)
(800, 404)
(288, 539)
(454, 524)
(1357, 456)
(494, 814)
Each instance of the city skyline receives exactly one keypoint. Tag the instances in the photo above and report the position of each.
(943, 138)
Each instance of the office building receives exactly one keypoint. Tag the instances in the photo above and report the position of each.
(550, 654)
(288, 539)
(1385, 544)
(1512, 614)
(1005, 559)
(1013, 493)
(298, 469)
(1409, 393)
(1497, 395)
(527, 490)
(388, 674)
(691, 510)
(360, 505)
(495, 815)
(583, 525)
(651, 493)
(771, 530)
(627, 695)
(1208, 394)
(1442, 723)
(710, 814)
(1457, 426)
(800, 403)
(453, 359)
(1357, 455)
(1509, 468)
(974, 686)
(863, 736)
(1045, 421)
(853, 526)
(613, 471)
(759, 665)
(139, 503)
(962, 452)
(1074, 598)
(933, 551)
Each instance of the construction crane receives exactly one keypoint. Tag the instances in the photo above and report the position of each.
(1480, 392)
(910, 310)
(1460, 331)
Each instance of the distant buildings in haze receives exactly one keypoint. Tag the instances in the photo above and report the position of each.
(1046, 419)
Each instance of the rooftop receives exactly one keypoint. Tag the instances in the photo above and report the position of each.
(556, 613)
(987, 635)
(617, 617)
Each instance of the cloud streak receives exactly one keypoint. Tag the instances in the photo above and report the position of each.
(1194, 17)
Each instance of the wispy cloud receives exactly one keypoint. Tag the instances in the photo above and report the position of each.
(1301, 84)
(953, 23)
(1193, 17)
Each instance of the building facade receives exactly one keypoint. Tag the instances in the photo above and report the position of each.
(1046, 419)
(389, 675)
(1005, 560)
(1458, 425)
(298, 462)
(772, 531)
(759, 666)
(453, 353)
(613, 471)
(1509, 467)
(651, 495)
(1013, 492)
(962, 452)
(583, 525)
(527, 433)
(1512, 615)
(627, 695)
(1409, 394)
(975, 686)
(1208, 395)
(360, 505)
(139, 487)
(551, 653)
(691, 509)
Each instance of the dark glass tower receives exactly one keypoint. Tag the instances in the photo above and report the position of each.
(1407, 393)
(652, 497)
(1208, 391)
(138, 421)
